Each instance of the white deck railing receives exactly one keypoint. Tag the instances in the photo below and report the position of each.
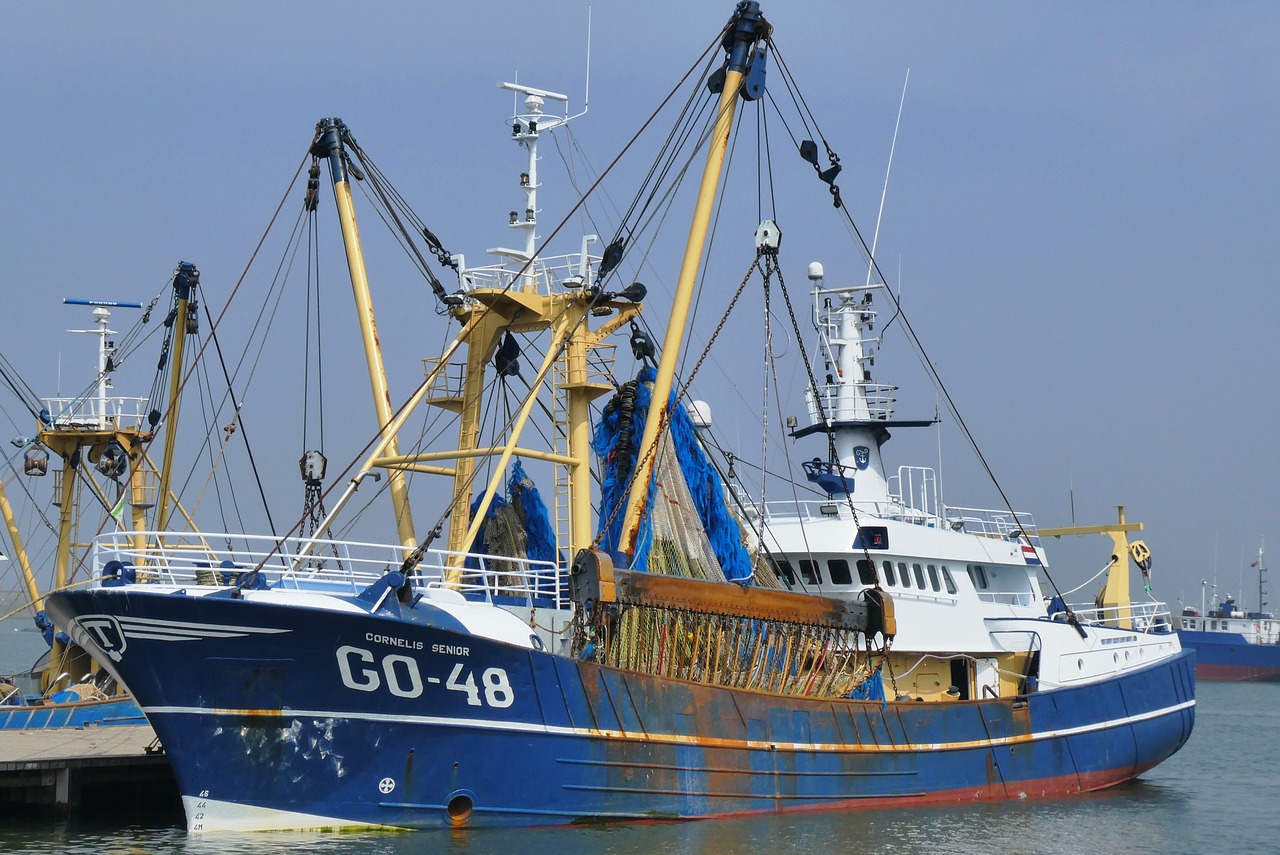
(991, 523)
(1144, 617)
(89, 413)
(332, 566)
(548, 274)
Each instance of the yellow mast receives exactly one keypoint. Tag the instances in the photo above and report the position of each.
(81, 434)
(329, 144)
(494, 319)
(185, 280)
(744, 31)
(20, 551)
(138, 501)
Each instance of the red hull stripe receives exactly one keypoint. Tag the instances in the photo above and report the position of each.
(1237, 673)
(1061, 785)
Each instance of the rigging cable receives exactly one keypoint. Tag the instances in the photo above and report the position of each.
(913, 338)
(214, 323)
(378, 436)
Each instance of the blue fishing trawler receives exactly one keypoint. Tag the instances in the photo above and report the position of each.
(653, 641)
(1231, 642)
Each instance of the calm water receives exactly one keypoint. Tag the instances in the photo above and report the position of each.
(1221, 791)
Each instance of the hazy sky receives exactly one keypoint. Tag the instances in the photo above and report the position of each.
(1080, 216)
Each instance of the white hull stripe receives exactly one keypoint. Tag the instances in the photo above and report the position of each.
(524, 727)
(173, 630)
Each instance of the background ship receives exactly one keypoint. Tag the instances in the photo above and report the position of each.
(96, 437)
(1232, 643)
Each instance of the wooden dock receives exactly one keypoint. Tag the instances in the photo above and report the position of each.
(70, 771)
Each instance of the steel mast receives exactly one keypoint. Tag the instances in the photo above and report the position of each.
(329, 144)
(746, 29)
(185, 280)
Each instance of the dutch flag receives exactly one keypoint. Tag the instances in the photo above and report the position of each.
(1029, 555)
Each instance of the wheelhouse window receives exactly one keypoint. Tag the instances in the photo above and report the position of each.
(866, 572)
(919, 574)
(904, 574)
(888, 573)
(784, 571)
(933, 578)
(948, 581)
(809, 572)
(838, 571)
(978, 576)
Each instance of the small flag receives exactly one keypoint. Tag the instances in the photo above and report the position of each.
(118, 510)
(1254, 564)
(1029, 554)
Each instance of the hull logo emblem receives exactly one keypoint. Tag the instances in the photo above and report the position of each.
(102, 631)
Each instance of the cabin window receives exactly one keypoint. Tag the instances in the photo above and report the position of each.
(784, 571)
(838, 570)
(947, 580)
(933, 578)
(904, 574)
(978, 576)
(866, 572)
(919, 573)
(919, 576)
(888, 573)
(809, 572)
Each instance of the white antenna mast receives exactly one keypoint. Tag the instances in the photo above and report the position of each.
(586, 89)
(526, 126)
(871, 264)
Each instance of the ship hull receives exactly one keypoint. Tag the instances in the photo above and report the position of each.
(1229, 657)
(284, 717)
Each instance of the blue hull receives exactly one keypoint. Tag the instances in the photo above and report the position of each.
(339, 719)
(1227, 656)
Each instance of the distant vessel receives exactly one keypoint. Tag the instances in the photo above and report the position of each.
(633, 653)
(1232, 643)
(106, 479)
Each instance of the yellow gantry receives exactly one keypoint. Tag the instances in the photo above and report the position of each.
(1115, 601)
(493, 313)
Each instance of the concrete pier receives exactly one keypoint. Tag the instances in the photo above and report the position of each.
(70, 771)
